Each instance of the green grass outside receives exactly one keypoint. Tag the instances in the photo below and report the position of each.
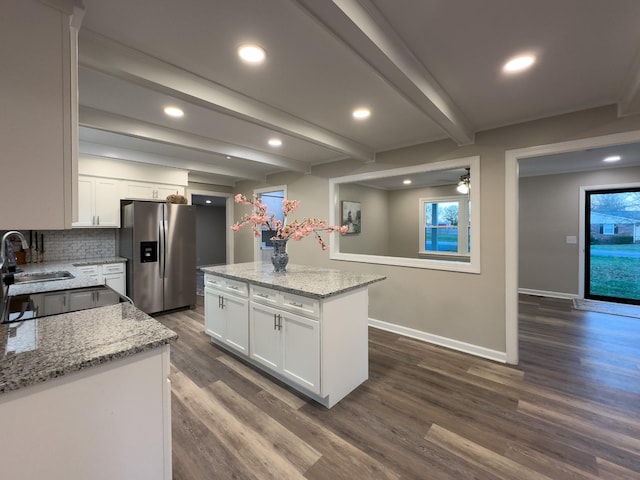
(615, 276)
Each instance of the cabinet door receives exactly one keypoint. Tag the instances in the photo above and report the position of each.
(264, 336)
(214, 316)
(85, 202)
(81, 300)
(163, 191)
(237, 323)
(54, 303)
(104, 297)
(139, 190)
(301, 350)
(107, 203)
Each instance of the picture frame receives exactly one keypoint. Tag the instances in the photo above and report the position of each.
(352, 216)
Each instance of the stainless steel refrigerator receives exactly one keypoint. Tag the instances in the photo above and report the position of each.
(158, 241)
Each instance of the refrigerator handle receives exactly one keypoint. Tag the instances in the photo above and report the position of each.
(162, 239)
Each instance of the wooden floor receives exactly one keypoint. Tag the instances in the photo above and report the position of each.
(570, 410)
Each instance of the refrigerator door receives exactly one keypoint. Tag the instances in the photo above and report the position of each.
(179, 256)
(146, 277)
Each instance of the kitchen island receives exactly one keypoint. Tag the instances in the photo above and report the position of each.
(307, 326)
(86, 395)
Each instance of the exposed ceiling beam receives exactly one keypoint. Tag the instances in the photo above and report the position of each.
(120, 153)
(629, 103)
(106, 56)
(361, 26)
(111, 122)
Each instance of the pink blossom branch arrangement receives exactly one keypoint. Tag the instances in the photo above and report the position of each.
(261, 218)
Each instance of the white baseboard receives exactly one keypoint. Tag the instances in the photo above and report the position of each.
(544, 293)
(441, 341)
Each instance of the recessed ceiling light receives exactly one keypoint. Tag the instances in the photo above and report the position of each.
(228, 157)
(612, 158)
(275, 142)
(407, 181)
(207, 201)
(361, 113)
(251, 53)
(518, 64)
(174, 112)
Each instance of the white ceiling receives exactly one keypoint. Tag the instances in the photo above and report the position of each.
(427, 70)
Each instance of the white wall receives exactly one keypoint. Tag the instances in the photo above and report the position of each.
(466, 310)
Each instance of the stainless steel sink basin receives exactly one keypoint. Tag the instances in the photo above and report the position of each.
(42, 277)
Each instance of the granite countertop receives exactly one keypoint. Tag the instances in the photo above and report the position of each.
(298, 279)
(80, 280)
(38, 350)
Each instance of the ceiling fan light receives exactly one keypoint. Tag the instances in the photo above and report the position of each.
(463, 187)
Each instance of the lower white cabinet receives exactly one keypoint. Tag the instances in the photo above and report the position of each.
(73, 300)
(317, 346)
(110, 421)
(111, 274)
(226, 317)
(286, 343)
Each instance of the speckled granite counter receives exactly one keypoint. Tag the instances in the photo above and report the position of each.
(80, 280)
(38, 350)
(298, 279)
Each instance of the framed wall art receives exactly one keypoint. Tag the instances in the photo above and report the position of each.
(352, 216)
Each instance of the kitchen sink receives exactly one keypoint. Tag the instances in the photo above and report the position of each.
(42, 277)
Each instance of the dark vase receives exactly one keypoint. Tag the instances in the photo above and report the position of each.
(280, 257)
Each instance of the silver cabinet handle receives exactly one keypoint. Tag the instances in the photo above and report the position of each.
(294, 304)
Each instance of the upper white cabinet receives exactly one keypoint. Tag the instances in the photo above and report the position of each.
(98, 202)
(38, 125)
(150, 191)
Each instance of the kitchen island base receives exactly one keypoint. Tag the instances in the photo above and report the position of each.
(313, 338)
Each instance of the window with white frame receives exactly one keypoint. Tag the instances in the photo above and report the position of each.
(608, 229)
(445, 226)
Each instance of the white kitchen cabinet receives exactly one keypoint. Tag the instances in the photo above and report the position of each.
(150, 191)
(98, 202)
(226, 313)
(38, 125)
(110, 421)
(82, 300)
(52, 303)
(287, 344)
(316, 345)
(111, 274)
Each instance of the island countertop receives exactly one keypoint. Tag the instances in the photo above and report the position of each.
(298, 279)
(37, 350)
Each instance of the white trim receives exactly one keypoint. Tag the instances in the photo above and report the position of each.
(472, 266)
(438, 340)
(228, 215)
(511, 219)
(544, 293)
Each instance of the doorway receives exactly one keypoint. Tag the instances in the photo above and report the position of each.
(272, 197)
(612, 256)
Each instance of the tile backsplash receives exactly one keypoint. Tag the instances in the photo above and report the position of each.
(78, 243)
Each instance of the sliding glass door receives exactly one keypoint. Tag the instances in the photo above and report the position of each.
(612, 254)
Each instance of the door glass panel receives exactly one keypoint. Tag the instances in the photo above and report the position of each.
(612, 259)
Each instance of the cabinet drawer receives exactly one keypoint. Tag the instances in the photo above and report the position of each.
(113, 268)
(90, 270)
(301, 305)
(213, 281)
(235, 287)
(264, 295)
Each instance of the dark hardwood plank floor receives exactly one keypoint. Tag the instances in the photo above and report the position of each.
(570, 410)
